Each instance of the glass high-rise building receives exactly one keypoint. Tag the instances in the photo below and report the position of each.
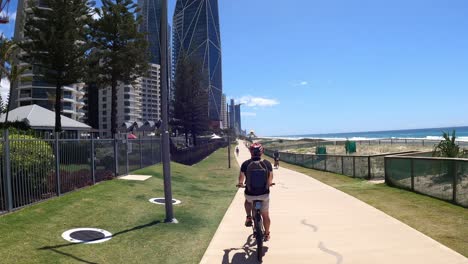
(196, 32)
(151, 26)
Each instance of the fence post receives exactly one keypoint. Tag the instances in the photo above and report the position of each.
(7, 169)
(386, 170)
(454, 193)
(369, 170)
(126, 155)
(153, 160)
(57, 162)
(326, 157)
(141, 153)
(342, 165)
(116, 158)
(412, 174)
(93, 159)
(354, 166)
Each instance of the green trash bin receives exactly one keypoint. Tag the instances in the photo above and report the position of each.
(350, 147)
(321, 150)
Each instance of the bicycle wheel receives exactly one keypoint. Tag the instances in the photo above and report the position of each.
(259, 235)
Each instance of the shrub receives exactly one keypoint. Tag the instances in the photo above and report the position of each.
(28, 157)
(447, 147)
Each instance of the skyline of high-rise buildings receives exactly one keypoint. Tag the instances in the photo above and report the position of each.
(196, 33)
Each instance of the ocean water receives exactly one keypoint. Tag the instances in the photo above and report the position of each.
(425, 133)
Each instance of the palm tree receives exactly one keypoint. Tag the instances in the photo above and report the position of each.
(8, 67)
(447, 147)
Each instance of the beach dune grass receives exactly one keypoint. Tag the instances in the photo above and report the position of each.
(440, 220)
(33, 235)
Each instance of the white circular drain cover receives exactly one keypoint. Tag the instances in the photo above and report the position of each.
(86, 235)
(163, 201)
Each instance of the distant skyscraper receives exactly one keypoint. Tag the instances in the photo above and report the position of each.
(196, 32)
(151, 26)
(232, 115)
(237, 125)
(224, 112)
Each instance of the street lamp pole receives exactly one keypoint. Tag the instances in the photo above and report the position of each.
(164, 124)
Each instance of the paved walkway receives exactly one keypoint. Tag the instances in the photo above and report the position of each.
(315, 223)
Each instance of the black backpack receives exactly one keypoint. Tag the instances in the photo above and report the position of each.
(257, 178)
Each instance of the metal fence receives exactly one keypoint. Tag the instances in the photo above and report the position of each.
(388, 141)
(443, 178)
(366, 167)
(192, 155)
(34, 169)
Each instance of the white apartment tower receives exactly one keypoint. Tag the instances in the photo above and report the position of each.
(129, 106)
(31, 90)
(224, 112)
(151, 93)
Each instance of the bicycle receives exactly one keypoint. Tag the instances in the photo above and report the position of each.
(257, 227)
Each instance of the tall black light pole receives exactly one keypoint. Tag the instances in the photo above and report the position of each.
(164, 125)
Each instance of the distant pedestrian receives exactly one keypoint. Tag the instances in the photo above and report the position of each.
(237, 150)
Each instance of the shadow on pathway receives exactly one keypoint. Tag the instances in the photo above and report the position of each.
(249, 254)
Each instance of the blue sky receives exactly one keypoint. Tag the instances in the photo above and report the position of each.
(328, 66)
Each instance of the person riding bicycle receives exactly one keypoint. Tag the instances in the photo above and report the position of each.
(258, 176)
(276, 157)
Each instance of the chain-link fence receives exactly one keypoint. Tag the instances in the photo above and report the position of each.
(366, 167)
(35, 168)
(443, 178)
(283, 144)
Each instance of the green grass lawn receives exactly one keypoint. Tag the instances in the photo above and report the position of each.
(440, 220)
(33, 235)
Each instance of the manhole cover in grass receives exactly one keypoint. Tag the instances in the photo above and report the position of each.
(86, 235)
(163, 201)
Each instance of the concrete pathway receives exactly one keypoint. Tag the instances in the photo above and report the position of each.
(315, 223)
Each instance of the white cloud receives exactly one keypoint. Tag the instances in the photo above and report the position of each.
(300, 83)
(13, 16)
(248, 114)
(4, 88)
(252, 101)
(96, 16)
